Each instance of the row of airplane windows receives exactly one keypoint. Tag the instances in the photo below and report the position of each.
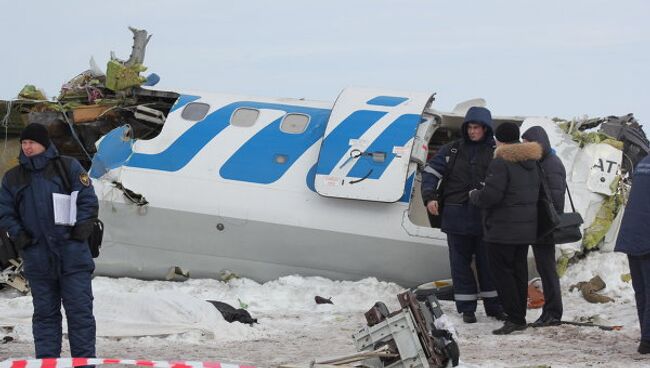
(292, 123)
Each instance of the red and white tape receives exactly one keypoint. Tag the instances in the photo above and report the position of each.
(76, 362)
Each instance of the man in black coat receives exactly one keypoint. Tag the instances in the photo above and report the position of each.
(509, 203)
(461, 165)
(544, 249)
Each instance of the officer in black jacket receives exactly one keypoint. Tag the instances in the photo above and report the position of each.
(461, 220)
(509, 201)
(544, 250)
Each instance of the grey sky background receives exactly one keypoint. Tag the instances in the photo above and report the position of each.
(550, 58)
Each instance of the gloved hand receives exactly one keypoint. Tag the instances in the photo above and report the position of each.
(22, 241)
(81, 230)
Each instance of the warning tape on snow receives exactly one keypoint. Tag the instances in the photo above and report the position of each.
(76, 362)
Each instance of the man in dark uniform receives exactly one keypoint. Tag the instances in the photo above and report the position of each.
(634, 240)
(461, 221)
(57, 260)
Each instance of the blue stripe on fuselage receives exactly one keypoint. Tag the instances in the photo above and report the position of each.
(256, 162)
(407, 189)
(387, 101)
(182, 101)
(337, 143)
(186, 146)
(397, 134)
(113, 151)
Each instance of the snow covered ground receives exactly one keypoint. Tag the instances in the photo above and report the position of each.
(170, 321)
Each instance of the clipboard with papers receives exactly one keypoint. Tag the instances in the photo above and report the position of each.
(65, 208)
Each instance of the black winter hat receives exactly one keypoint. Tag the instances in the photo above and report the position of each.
(507, 133)
(37, 133)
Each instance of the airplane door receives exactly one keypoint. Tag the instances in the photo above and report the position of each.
(367, 145)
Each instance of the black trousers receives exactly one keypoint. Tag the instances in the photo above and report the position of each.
(75, 291)
(462, 249)
(509, 266)
(547, 268)
(640, 271)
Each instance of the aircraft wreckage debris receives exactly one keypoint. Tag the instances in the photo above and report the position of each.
(590, 290)
(410, 337)
(321, 300)
(93, 103)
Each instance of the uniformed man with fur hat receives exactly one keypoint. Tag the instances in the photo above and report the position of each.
(509, 203)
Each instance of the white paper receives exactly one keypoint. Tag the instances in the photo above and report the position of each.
(65, 208)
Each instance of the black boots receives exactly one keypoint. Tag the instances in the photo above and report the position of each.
(499, 316)
(509, 328)
(469, 317)
(644, 347)
(545, 321)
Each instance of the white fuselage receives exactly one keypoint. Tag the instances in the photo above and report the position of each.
(241, 198)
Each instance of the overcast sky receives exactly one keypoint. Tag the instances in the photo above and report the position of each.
(551, 58)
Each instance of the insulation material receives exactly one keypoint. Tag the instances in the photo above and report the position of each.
(119, 77)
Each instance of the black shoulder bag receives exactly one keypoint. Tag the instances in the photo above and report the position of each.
(568, 230)
(97, 233)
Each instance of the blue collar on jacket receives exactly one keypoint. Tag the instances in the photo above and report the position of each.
(40, 161)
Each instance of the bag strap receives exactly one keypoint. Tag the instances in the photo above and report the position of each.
(452, 161)
(542, 179)
(573, 209)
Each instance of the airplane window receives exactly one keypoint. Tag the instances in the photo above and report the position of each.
(244, 117)
(294, 123)
(195, 111)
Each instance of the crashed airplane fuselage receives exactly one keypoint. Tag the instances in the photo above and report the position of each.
(270, 187)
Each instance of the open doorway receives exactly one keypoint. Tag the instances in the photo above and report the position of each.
(418, 214)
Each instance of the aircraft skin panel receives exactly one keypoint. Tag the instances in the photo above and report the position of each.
(337, 142)
(368, 158)
(271, 153)
(113, 151)
(147, 245)
(397, 134)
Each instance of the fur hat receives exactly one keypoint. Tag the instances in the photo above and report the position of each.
(507, 133)
(37, 133)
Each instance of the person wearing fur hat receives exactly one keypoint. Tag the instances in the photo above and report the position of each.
(57, 260)
(509, 203)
